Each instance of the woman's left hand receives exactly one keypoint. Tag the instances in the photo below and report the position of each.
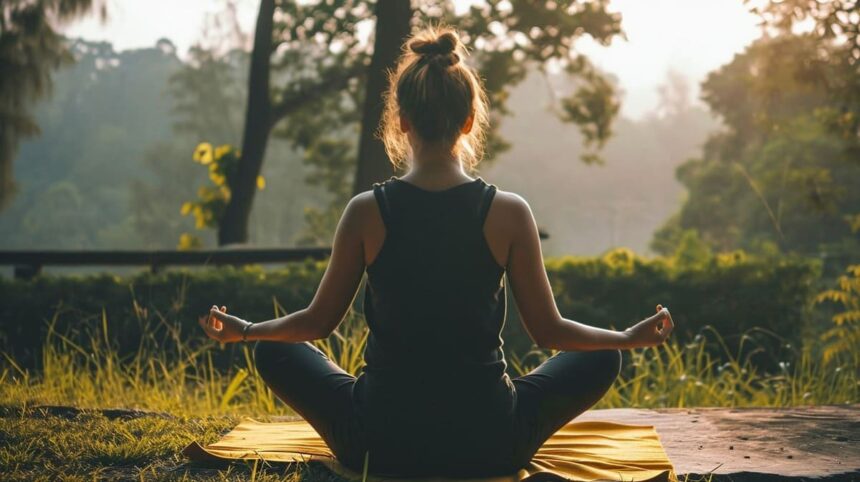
(222, 327)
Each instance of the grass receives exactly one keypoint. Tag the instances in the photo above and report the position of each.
(194, 400)
(678, 375)
(37, 445)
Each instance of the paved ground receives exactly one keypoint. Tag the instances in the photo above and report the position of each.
(755, 443)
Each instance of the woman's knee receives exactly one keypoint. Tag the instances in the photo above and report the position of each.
(274, 355)
(607, 365)
(265, 354)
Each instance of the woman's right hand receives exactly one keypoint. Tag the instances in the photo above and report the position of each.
(651, 331)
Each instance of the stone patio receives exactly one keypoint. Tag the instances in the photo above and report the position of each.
(821, 443)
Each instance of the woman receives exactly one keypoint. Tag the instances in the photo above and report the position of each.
(436, 244)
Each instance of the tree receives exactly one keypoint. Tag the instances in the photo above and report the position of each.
(30, 50)
(310, 82)
(297, 33)
(392, 28)
(783, 173)
(832, 20)
(104, 112)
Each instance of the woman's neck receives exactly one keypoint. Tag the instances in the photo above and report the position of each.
(435, 166)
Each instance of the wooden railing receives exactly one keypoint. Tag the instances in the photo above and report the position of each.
(27, 264)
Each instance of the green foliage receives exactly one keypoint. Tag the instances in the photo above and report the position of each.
(692, 252)
(782, 172)
(829, 20)
(107, 110)
(31, 48)
(593, 107)
(145, 304)
(179, 377)
(843, 339)
(732, 292)
(165, 372)
(704, 372)
(737, 294)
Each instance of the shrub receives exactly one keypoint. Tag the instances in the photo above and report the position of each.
(733, 293)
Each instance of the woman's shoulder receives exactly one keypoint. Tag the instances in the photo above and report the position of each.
(509, 203)
(506, 204)
(362, 204)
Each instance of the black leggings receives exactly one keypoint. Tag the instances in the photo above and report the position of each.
(560, 389)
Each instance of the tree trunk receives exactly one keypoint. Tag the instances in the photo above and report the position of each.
(234, 225)
(392, 28)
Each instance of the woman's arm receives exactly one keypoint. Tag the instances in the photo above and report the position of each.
(537, 307)
(330, 304)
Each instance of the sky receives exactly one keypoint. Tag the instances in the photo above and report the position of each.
(690, 37)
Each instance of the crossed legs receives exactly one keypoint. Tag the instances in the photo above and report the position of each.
(560, 389)
(304, 378)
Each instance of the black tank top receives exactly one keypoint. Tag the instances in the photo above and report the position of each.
(435, 305)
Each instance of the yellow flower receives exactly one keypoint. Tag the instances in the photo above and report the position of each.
(188, 242)
(186, 208)
(225, 193)
(261, 183)
(217, 179)
(203, 153)
(222, 150)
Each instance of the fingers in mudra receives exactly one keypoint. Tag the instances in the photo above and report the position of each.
(217, 322)
(212, 323)
(664, 322)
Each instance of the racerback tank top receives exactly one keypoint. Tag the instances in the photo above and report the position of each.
(435, 306)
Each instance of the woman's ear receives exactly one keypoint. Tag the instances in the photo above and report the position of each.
(405, 126)
(467, 126)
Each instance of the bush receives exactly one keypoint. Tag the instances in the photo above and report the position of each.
(145, 304)
(738, 295)
(734, 293)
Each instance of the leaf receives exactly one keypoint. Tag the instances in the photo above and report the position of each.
(234, 388)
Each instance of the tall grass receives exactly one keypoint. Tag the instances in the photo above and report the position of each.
(689, 375)
(180, 377)
(169, 375)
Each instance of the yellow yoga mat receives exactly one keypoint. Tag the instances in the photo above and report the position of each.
(580, 451)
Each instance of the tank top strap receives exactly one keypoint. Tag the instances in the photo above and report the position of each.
(488, 191)
(382, 200)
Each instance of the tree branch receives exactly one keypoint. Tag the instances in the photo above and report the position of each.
(303, 97)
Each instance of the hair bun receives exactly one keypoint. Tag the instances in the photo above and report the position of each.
(441, 45)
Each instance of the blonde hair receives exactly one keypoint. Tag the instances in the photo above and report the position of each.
(437, 92)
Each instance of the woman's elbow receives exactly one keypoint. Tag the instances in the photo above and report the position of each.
(544, 338)
(548, 344)
(317, 324)
(323, 329)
